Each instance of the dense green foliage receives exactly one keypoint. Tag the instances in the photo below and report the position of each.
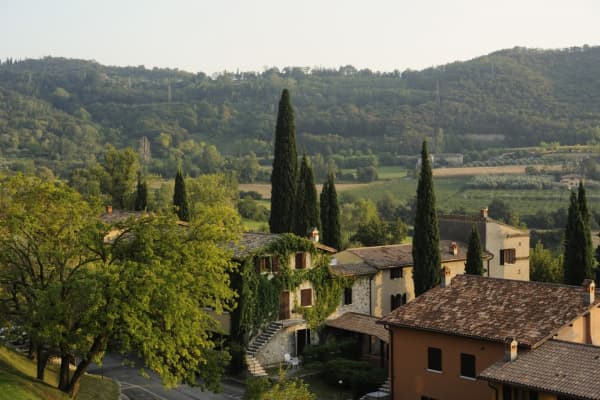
(427, 260)
(258, 302)
(73, 287)
(285, 169)
(545, 265)
(474, 263)
(330, 214)
(180, 198)
(262, 388)
(578, 254)
(306, 209)
(61, 112)
(141, 195)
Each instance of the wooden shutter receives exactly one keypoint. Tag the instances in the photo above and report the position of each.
(306, 297)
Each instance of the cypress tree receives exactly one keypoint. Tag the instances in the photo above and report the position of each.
(574, 256)
(306, 211)
(588, 251)
(285, 168)
(141, 195)
(180, 201)
(330, 214)
(474, 264)
(426, 239)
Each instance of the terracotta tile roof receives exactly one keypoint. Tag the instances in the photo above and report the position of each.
(400, 255)
(361, 323)
(493, 309)
(562, 368)
(353, 269)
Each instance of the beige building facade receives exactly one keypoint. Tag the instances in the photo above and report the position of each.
(508, 245)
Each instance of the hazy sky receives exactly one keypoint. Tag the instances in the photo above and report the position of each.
(210, 36)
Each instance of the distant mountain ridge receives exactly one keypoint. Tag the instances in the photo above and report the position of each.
(60, 111)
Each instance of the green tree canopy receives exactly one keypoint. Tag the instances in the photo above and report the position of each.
(306, 209)
(578, 251)
(426, 238)
(330, 214)
(285, 168)
(72, 286)
(474, 263)
(180, 199)
(141, 195)
(544, 265)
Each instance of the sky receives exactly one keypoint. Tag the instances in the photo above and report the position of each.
(216, 35)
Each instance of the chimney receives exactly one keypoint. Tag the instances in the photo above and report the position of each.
(510, 349)
(483, 212)
(446, 277)
(454, 248)
(314, 235)
(109, 209)
(589, 291)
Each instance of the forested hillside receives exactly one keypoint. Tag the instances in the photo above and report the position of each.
(61, 112)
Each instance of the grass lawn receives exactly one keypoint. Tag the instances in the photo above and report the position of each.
(17, 382)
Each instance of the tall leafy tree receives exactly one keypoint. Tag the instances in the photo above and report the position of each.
(180, 199)
(72, 290)
(474, 263)
(118, 173)
(285, 168)
(576, 269)
(141, 195)
(306, 210)
(330, 214)
(426, 239)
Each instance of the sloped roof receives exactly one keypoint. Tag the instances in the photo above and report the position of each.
(361, 323)
(252, 241)
(493, 309)
(353, 269)
(562, 368)
(400, 255)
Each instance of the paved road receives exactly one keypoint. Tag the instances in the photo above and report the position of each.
(137, 387)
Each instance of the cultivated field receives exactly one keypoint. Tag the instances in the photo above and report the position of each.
(500, 170)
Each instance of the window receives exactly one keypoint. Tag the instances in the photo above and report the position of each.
(306, 297)
(266, 264)
(396, 273)
(434, 359)
(467, 365)
(507, 256)
(300, 260)
(347, 296)
(397, 300)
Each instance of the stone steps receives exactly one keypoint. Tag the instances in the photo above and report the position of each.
(384, 388)
(256, 344)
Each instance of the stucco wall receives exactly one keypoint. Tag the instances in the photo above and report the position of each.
(411, 379)
(500, 237)
(585, 329)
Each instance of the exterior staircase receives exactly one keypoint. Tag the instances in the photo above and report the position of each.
(254, 366)
(384, 388)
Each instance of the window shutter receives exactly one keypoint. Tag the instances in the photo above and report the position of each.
(306, 297)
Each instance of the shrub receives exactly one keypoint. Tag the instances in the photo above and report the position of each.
(360, 376)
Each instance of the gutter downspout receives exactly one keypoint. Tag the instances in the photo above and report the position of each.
(488, 266)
